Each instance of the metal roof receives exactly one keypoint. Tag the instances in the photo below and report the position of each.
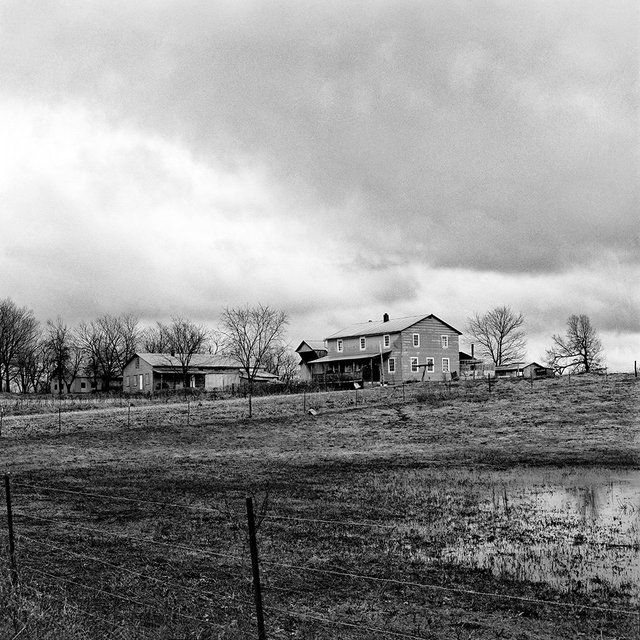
(514, 366)
(361, 355)
(314, 345)
(380, 327)
(198, 361)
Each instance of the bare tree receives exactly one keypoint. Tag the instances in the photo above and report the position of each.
(155, 339)
(500, 335)
(182, 339)
(250, 335)
(64, 351)
(107, 343)
(282, 362)
(580, 350)
(19, 332)
(30, 366)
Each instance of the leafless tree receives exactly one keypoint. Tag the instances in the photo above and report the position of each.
(155, 339)
(107, 343)
(19, 332)
(500, 335)
(32, 367)
(282, 362)
(182, 339)
(250, 335)
(64, 351)
(580, 350)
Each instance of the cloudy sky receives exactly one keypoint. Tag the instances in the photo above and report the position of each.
(337, 159)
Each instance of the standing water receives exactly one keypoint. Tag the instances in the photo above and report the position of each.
(577, 532)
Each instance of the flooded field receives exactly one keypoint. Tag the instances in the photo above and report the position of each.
(579, 532)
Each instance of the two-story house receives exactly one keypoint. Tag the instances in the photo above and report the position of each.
(391, 350)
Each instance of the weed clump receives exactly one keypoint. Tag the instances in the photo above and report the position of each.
(432, 397)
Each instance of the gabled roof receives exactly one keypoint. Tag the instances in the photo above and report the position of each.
(311, 345)
(537, 364)
(379, 327)
(261, 376)
(514, 366)
(198, 361)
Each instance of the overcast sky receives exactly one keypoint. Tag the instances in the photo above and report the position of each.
(337, 159)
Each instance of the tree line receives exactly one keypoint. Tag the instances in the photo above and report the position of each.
(32, 354)
(502, 339)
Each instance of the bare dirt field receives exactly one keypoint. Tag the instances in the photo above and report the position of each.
(421, 512)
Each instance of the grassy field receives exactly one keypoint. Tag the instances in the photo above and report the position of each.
(425, 512)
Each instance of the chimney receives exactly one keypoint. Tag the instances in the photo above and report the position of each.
(472, 346)
(385, 317)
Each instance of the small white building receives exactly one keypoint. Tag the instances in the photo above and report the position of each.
(152, 372)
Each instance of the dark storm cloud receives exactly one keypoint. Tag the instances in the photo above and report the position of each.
(491, 136)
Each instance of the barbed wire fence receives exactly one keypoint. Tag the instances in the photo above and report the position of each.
(24, 417)
(128, 565)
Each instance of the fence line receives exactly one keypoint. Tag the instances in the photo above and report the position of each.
(341, 623)
(121, 498)
(178, 547)
(73, 605)
(131, 571)
(286, 404)
(346, 523)
(122, 598)
(305, 569)
(341, 573)
(435, 587)
(218, 510)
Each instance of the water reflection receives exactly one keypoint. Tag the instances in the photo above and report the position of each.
(579, 535)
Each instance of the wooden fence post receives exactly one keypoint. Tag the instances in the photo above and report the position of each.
(59, 418)
(257, 592)
(12, 548)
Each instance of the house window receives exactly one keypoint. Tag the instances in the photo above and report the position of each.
(146, 379)
(444, 342)
(363, 344)
(445, 365)
(416, 339)
(137, 363)
(414, 365)
(128, 381)
(386, 339)
(392, 365)
(83, 385)
(431, 365)
(340, 346)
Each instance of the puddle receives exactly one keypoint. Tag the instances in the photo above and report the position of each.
(577, 533)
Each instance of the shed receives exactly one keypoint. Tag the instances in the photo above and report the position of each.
(535, 370)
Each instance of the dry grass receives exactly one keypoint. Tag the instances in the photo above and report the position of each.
(411, 477)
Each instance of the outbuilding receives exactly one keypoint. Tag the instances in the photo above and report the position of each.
(152, 372)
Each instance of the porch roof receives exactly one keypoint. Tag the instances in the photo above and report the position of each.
(343, 357)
